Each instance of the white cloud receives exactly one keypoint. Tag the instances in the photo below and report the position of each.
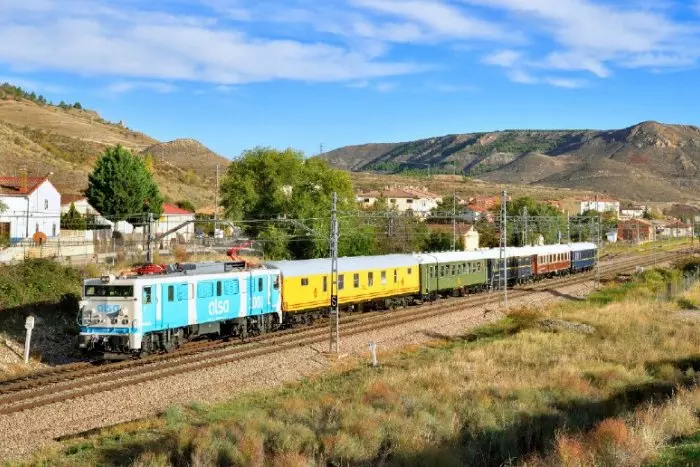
(503, 58)
(128, 86)
(521, 77)
(437, 18)
(568, 83)
(164, 47)
(386, 87)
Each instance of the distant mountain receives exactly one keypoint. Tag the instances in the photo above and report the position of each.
(67, 141)
(649, 161)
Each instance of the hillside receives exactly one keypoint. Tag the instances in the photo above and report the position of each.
(67, 141)
(649, 161)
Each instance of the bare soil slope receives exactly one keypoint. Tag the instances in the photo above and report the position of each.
(650, 161)
(67, 142)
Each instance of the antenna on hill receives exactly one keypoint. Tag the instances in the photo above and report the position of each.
(320, 151)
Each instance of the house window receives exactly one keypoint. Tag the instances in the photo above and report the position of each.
(341, 281)
(46, 204)
(356, 280)
(366, 200)
(304, 281)
(370, 279)
(37, 226)
(409, 201)
(392, 201)
(383, 277)
(53, 230)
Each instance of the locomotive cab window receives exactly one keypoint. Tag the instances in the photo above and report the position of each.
(171, 293)
(147, 296)
(304, 281)
(109, 291)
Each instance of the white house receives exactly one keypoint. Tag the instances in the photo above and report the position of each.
(632, 212)
(601, 205)
(172, 217)
(32, 205)
(408, 199)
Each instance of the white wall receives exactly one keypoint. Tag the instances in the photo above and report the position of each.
(42, 211)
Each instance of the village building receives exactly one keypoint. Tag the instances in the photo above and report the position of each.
(677, 229)
(636, 231)
(602, 204)
(98, 227)
(171, 218)
(632, 212)
(31, 205)
(418, 202)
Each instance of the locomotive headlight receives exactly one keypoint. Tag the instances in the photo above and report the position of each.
(125, 321)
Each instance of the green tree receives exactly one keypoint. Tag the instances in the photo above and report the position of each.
(275, 242)
(488, 235)
(186, 205)
(77, 106)
(73, 220)
(268, 184)
(121, 188)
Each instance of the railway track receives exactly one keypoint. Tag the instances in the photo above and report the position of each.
(81, 379)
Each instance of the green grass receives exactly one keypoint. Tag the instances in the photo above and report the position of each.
(682, 452)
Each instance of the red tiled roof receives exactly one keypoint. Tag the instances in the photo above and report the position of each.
(171, 209)
(68, 199)
(12, 186)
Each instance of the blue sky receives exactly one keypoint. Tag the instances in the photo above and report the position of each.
(239, 73)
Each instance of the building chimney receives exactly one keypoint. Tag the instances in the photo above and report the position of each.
(23, 180)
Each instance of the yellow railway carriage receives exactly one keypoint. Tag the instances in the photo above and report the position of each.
(306, 284)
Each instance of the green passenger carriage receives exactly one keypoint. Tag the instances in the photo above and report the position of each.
(453, 273)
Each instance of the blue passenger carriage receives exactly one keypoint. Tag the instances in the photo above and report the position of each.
(125, 315)
(583, 256)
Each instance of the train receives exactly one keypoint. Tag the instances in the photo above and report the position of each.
(158, 308)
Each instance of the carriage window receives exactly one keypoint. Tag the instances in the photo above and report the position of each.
(442, 271)
(260, 284)
(341, 281)
(356, 280)
(182, 292)
(219, 288)
(304, 281)
(409, 271)
(478, 267)
(109, 291)
(396, 276)
(325, 283)
(474, 267)
(430, 272)
(383, 277)
(453, 269)
(370, 279)
(205, 289)
(146, 295)
(171, 293)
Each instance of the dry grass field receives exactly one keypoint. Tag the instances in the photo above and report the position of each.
(606, 381)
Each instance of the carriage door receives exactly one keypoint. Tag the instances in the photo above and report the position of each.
(258, 294)
(148, 307)
(274, 290)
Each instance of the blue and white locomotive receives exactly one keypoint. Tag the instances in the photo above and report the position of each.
(129, 315)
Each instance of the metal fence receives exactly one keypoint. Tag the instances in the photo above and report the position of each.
(677, 287)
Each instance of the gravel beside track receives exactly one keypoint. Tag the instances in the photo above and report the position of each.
(141, 396)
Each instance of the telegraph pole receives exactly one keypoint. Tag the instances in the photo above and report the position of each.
(454, 208)
(216, 201)
(503, 244)
(149, 238)
(335, 316)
